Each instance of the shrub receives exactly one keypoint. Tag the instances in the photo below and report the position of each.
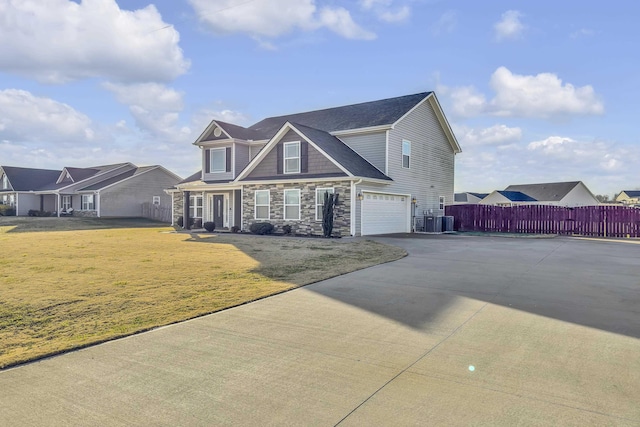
(261, 228)
(33, 212)
(209, 226)
(235, 229)
(6, 210)
(180, 221)
(286, 229)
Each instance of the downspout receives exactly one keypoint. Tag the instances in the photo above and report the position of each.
(185, 211)
(172, 210)
(58, 204)
(97, 193)
(354, 187)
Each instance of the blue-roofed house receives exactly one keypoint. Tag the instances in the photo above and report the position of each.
(117, 190)
(629, 197)
(387, 160)
(507, 198)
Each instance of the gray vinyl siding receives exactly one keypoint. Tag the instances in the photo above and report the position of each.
(211, 137)
(255, 149)
(218, 176)
(26, 202)
(241, 159)
(318, 163)
(126, 198)
(431, 169)
(371, 146)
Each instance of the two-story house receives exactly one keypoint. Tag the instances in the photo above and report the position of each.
(387, 161)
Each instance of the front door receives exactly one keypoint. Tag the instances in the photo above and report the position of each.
(218, 211)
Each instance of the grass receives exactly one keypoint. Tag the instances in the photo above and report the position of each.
(67, 283)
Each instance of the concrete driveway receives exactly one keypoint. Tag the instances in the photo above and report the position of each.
(463, 331)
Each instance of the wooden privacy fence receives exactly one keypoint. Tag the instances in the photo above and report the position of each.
(601, 221)
(156, 212)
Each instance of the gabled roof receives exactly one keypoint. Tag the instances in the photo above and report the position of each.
(341, 153)
(551, 191)
(195, 177)
(632, 193)
(28, 179)
(355, 116)
(462, 197)
(480, 195)
(338, 152)
(517, 196)
(78, 174)
(239, 132)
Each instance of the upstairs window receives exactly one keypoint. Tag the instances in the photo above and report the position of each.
(218, 160)
(406, 153)
(291, 157)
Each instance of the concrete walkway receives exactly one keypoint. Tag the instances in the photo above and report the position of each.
(464, 331)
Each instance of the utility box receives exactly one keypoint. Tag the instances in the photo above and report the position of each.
(447, 223)
(432, 224)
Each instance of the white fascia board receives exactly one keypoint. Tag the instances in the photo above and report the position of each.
(206, 131)
(135, 175)
(63, 175)
(298, 180)
(96, 175)
(331, 159)
(208, 187)
(370, 129)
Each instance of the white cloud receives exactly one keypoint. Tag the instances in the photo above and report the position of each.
(56, 41)
(582, 32)
(25, 117)
(541, 96)
(496, 135)
(386, 11)
(275, 18)
(509, 27)
(446, 23)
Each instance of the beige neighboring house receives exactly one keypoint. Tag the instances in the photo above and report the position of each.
(117, 190)
(570, 194)
(629, 197)
(468, 198)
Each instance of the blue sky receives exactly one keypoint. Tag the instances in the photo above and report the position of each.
(535, 91)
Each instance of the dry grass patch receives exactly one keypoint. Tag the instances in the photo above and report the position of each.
(61, 290)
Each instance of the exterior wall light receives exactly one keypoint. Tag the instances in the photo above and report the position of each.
(360, 196)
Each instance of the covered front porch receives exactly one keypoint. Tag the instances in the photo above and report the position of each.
(222, 206)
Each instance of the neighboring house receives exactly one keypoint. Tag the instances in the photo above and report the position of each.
(467, 198)
(99, 191)
(507, 198)
(571, 194)
(387, 160)
(629, 197)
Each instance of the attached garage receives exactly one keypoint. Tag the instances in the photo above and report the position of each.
(385, 213)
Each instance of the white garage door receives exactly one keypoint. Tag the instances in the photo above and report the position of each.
(385, 213)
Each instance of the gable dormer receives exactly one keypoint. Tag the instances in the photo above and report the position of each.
(4, 182)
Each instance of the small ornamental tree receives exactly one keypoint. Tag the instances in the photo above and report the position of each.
(330, 201)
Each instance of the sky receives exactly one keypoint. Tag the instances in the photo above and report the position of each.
(534, 91)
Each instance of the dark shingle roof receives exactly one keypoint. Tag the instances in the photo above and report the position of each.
(460, 197)
(367, 114)
(341, 153)
(101, 184)
(78, 174)
(240, 132)
(551, 191)
(195, 177)
(480, 195)
(27, 179)
(517, 196)
(632, 193)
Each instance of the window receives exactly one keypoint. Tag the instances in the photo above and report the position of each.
(441, 207)
(88, 202)
(292, 204)
(195, 206)
(218, 160)
(320, 192)
(406, 153)
(262, 204)
(156, 200)
(291, 157)
(5, 182)
(66, 203)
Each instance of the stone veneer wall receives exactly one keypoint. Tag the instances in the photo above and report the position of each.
(307, 225)
(86, 214)
(178, 206)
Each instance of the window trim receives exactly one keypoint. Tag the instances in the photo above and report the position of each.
(441, 203)
(88, 206)
(408, 156)
(285, 158)
(194, 206)
(299, 204)
(321, 202)
(256, 205)
(155, 200)
(224, 160)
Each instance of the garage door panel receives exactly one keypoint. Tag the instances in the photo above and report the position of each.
(384, 213)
